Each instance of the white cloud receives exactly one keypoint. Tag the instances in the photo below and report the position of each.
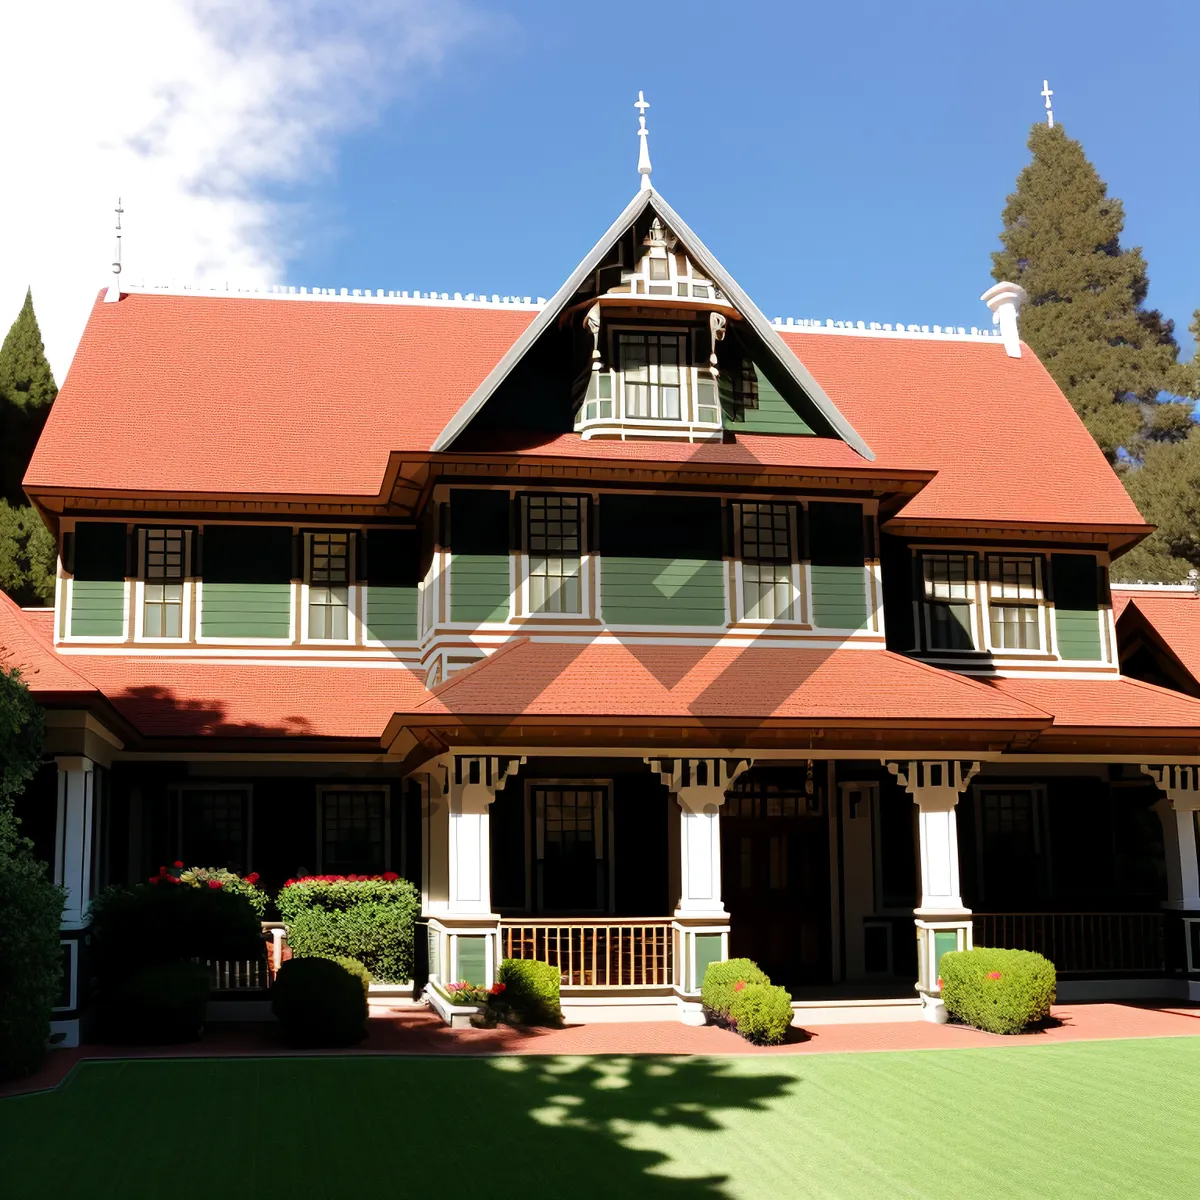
(190, 111)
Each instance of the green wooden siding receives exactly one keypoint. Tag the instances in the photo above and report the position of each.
(708, 951)
(1076, 582)
(246, 610)
(472, 960)
(97, 608)
(773, 414)
(662, 591)
(479, 589)
(391, 613)
(839, 597)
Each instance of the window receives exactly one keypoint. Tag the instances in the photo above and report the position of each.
(354, 831)
(766, 538)
(329, 586)
(949, 586)
(554, 541)
(1014, 603)
(164, 565)
(653, 375)
(598, 402)
(214, 827)
(570, 866)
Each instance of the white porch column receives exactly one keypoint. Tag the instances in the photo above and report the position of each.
(1177, 811)
(464, 932)
(701, 922)
(74, 841)
(943, 922)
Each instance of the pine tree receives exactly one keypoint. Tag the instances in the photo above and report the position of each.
(1085, 320)
(28, 556)
(27, 389)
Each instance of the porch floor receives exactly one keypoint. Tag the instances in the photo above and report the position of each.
(419, 1031)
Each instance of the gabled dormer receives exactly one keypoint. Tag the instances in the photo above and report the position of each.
(649, 338)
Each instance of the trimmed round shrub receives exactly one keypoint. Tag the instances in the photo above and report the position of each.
(761, 1013)
(357, 970)
(531, 990)
(319, 1003)
(720, 980)
(163, 1002)
(371, 920)
(30, 961)
(1000, 991)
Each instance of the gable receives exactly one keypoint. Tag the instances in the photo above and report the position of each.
(559, 363)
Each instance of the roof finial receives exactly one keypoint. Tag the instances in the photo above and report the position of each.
(114, 289)
(641, 104)
(1049, 111)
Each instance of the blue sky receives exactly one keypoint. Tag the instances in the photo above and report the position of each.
(844, 161)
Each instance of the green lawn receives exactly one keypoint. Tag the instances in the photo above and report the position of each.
(1112, 1119)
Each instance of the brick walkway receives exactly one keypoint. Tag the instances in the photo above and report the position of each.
(420, 1031)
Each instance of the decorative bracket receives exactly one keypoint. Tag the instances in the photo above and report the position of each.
(716, 328)
(934, 784)
(717, 774)
(1181, 784)
(592, 321)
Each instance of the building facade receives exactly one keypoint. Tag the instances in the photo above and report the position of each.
(637, 629)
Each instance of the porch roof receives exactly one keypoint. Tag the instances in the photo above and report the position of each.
(619, 681)
(1115, 702)
(25, 645)
(1174, 615)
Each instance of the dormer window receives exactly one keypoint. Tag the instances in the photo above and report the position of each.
(164, 568)
(652, 374)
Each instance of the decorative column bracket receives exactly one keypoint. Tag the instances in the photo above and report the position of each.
(938, 782)
(1177, 810)
(680, 775)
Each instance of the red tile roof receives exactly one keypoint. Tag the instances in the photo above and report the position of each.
(1109, 703)
(249, 395)
(26, 645)
(629, 680)
(1175, 617)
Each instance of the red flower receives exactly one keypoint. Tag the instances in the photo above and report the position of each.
(252, 878)
(741, 983)
(215, 883)
(178, 863)
(153, 878)
(995, 975)
(496, 988)
(389, 876)
(939, 983)
(162, 870)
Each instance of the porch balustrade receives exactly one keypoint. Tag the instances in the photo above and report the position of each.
(248, 976)
(619, 953)
(1080, 943)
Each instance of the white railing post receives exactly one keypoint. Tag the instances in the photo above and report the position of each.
(943, 922)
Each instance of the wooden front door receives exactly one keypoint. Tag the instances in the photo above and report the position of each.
(775, 879)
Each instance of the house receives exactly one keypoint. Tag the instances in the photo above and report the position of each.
(639, 629)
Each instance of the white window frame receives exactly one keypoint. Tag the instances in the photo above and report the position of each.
(524, 563)
(970, 599)
(384, 790)
(798, 605)
(1037, 602)
(352, 591)
(179, 790)
(185, 583)
(653, 372)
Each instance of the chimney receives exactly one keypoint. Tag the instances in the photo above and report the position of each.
(1006, 300)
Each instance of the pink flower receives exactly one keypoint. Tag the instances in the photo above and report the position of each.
(995, 975)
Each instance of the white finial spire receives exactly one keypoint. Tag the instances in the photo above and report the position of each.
(1049, 111)
(114, 289)
(641, 104)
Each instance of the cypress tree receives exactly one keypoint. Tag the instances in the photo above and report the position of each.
(1085, 321)
(27, 389)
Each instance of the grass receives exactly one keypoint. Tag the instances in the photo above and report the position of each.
(1080, 1119)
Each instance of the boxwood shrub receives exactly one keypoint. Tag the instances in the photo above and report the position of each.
(761, 1013)
(717, 988)
(531, 990)
(367, 918)
(320, 1002)
(163, 1002)
(30, 960)
(1001, 991)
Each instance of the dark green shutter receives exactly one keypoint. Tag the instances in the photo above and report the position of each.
(98, 591)
(838, 572)
(247, 589)
(1075, 580)
(100, 550)
(480, 535)
(662, 560)
(391, 569)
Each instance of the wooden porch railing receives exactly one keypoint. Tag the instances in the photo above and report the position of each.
(251, 975)
(1080, 943)
(620, 952)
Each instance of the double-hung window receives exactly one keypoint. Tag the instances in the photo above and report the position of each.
(164, 567)
(554, 544)
(766, 540)
(948, 591)
(354, 830)
(653, 367)
(329, 586)
(1014, 593)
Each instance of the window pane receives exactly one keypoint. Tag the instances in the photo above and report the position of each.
(1015, 626)
(659, 269)
(554, 538)
(328, 612)
(950, 626)
(213, 828)
(352, 832)
(329, 558)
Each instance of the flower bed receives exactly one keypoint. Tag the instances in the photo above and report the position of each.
(366, 917)
(216, 879)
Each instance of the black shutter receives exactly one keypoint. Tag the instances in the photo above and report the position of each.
(248, 554)
(661, 527)
(394, 558)
(1076, 581)
(100, 550)
(479, 521)
(68, 553)
(835, 534)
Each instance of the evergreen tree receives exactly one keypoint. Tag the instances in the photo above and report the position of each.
(1084, 320)
(28, 557)
(27, 389)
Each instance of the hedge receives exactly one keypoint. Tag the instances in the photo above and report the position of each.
(163, 1002)
(367, 918)
(531, 990)
(30, 960)
(1000, 991)
(739, 995)
(320, 1002)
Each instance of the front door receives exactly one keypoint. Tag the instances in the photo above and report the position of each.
(775, 877)
(570, 848)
